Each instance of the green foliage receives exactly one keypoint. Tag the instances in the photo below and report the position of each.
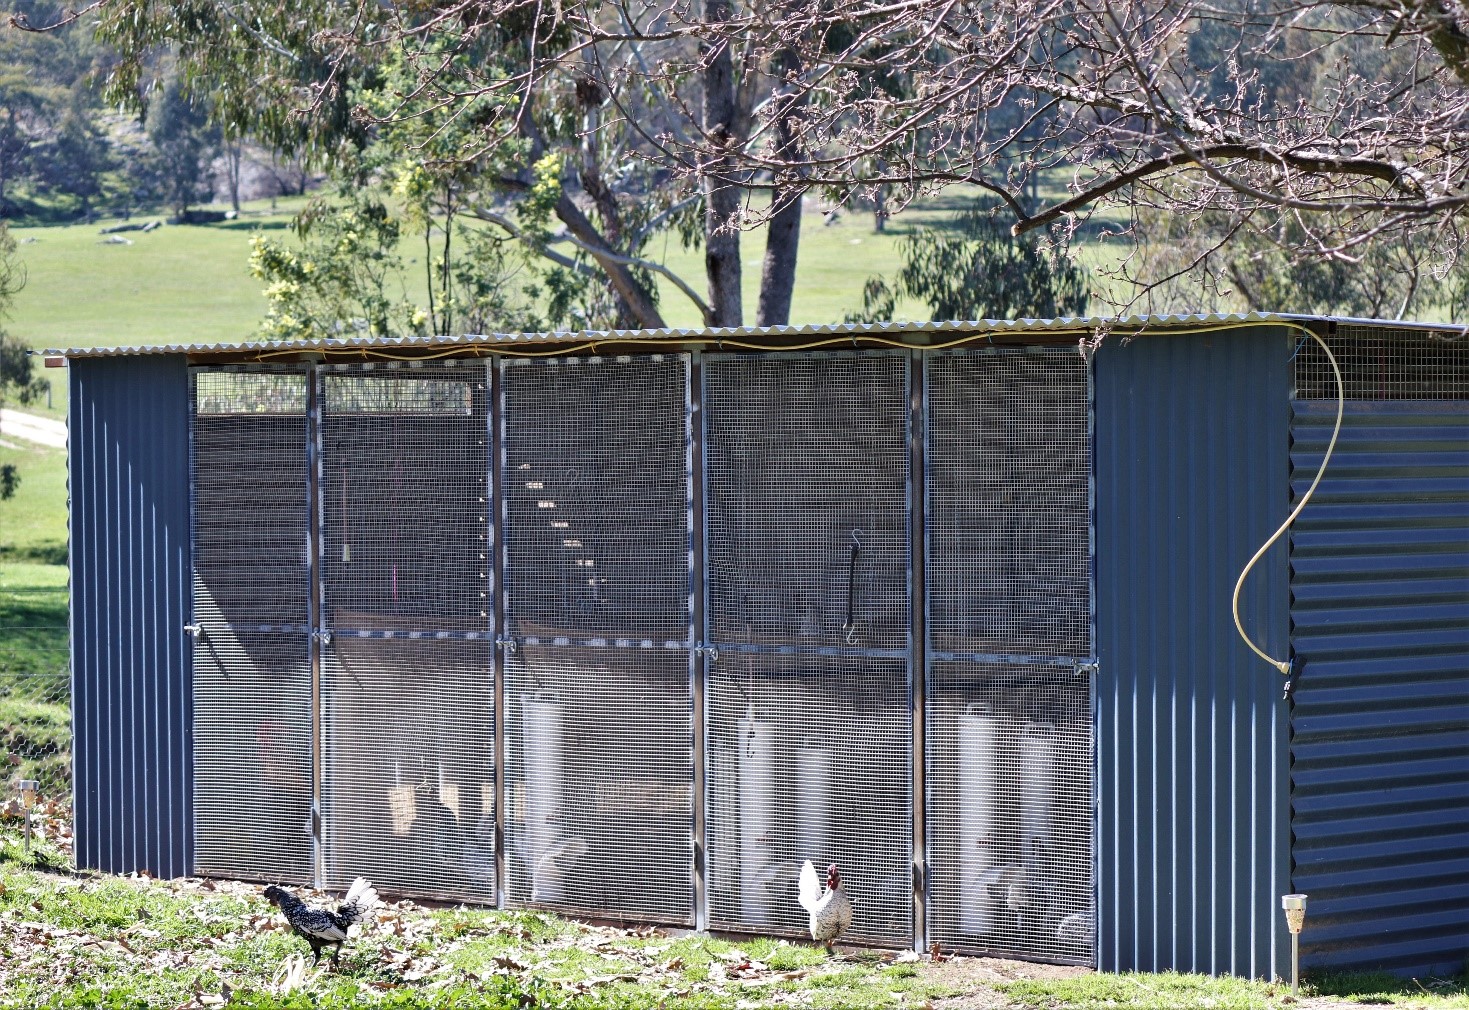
(17, 377)
(258, 63)
(975, 269)
(1382, 278)
(347, 275)
(77, 159)
(338, 281)
(184, 144)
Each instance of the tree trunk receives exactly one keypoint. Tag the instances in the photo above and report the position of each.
(232, 155)
(721, 195)
(778, 273)
(783, 239)
(624, 282)
(595, 186)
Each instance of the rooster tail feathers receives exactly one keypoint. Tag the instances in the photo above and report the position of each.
(810, 887)
(360, 899)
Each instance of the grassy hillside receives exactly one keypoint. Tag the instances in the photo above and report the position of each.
(192, 283)
(173, 284)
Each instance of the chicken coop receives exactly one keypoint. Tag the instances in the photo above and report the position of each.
(629, 625)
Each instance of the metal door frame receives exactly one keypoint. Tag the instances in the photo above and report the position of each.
(1086, 666)
(311, 459)
(913, 520)
(693, 646)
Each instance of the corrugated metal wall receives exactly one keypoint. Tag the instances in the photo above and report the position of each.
(130, 588)
(1380, 580)
(1191, 477)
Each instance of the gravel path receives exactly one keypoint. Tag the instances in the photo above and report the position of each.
(33, 428)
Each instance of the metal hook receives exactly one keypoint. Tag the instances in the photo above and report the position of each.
(850, 627)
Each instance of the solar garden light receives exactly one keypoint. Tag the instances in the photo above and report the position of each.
(28, 790)
(1295, 919)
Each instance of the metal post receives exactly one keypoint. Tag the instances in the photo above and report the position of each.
(697, 633)
(28, 790)
(918, 631)
(494, 540)
(315, 557)
(1295, 921)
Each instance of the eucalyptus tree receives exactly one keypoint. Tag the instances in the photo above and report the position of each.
(1317, 127)
(324, 81)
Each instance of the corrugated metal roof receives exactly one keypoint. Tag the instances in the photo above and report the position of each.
(1185, 321)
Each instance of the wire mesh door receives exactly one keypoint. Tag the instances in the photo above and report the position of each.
(598, 708)
(809, 726)
(252, 663)
(407, 692)
(1009, 703)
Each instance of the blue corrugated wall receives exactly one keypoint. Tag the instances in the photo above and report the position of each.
(1380, 575)
(1192, 475)
(130, 572)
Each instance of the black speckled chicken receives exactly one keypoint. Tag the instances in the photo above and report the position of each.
(322, 927)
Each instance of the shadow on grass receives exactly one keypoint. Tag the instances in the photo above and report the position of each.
(248, 226)
(1379, 988)
(37, 554)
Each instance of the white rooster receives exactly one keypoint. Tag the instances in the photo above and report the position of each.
(830, 910)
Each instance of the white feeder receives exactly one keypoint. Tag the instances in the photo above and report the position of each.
(758, 867)
(814, 785)
(1037, 787)
(978, 734)
(541, 717)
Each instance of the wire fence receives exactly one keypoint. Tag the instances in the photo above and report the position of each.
(35, 689)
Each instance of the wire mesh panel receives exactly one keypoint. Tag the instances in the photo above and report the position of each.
(1008, 501)
(598, 720)
(407, 692)
(809, 726)
(252, 672)
(1010, 799)
(1385, 363)
(1008, 731)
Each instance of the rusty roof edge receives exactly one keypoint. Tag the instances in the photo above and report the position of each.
(1133, 322)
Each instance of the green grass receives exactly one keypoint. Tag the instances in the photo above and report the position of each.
(85, 940)
(34, 722)
(192, 283)
(1382, 989)
(33, 603)
(1099, 991)
(33, 522)
(179, 283)
(35, 743)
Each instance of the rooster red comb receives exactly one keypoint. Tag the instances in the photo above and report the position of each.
(832, 875)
